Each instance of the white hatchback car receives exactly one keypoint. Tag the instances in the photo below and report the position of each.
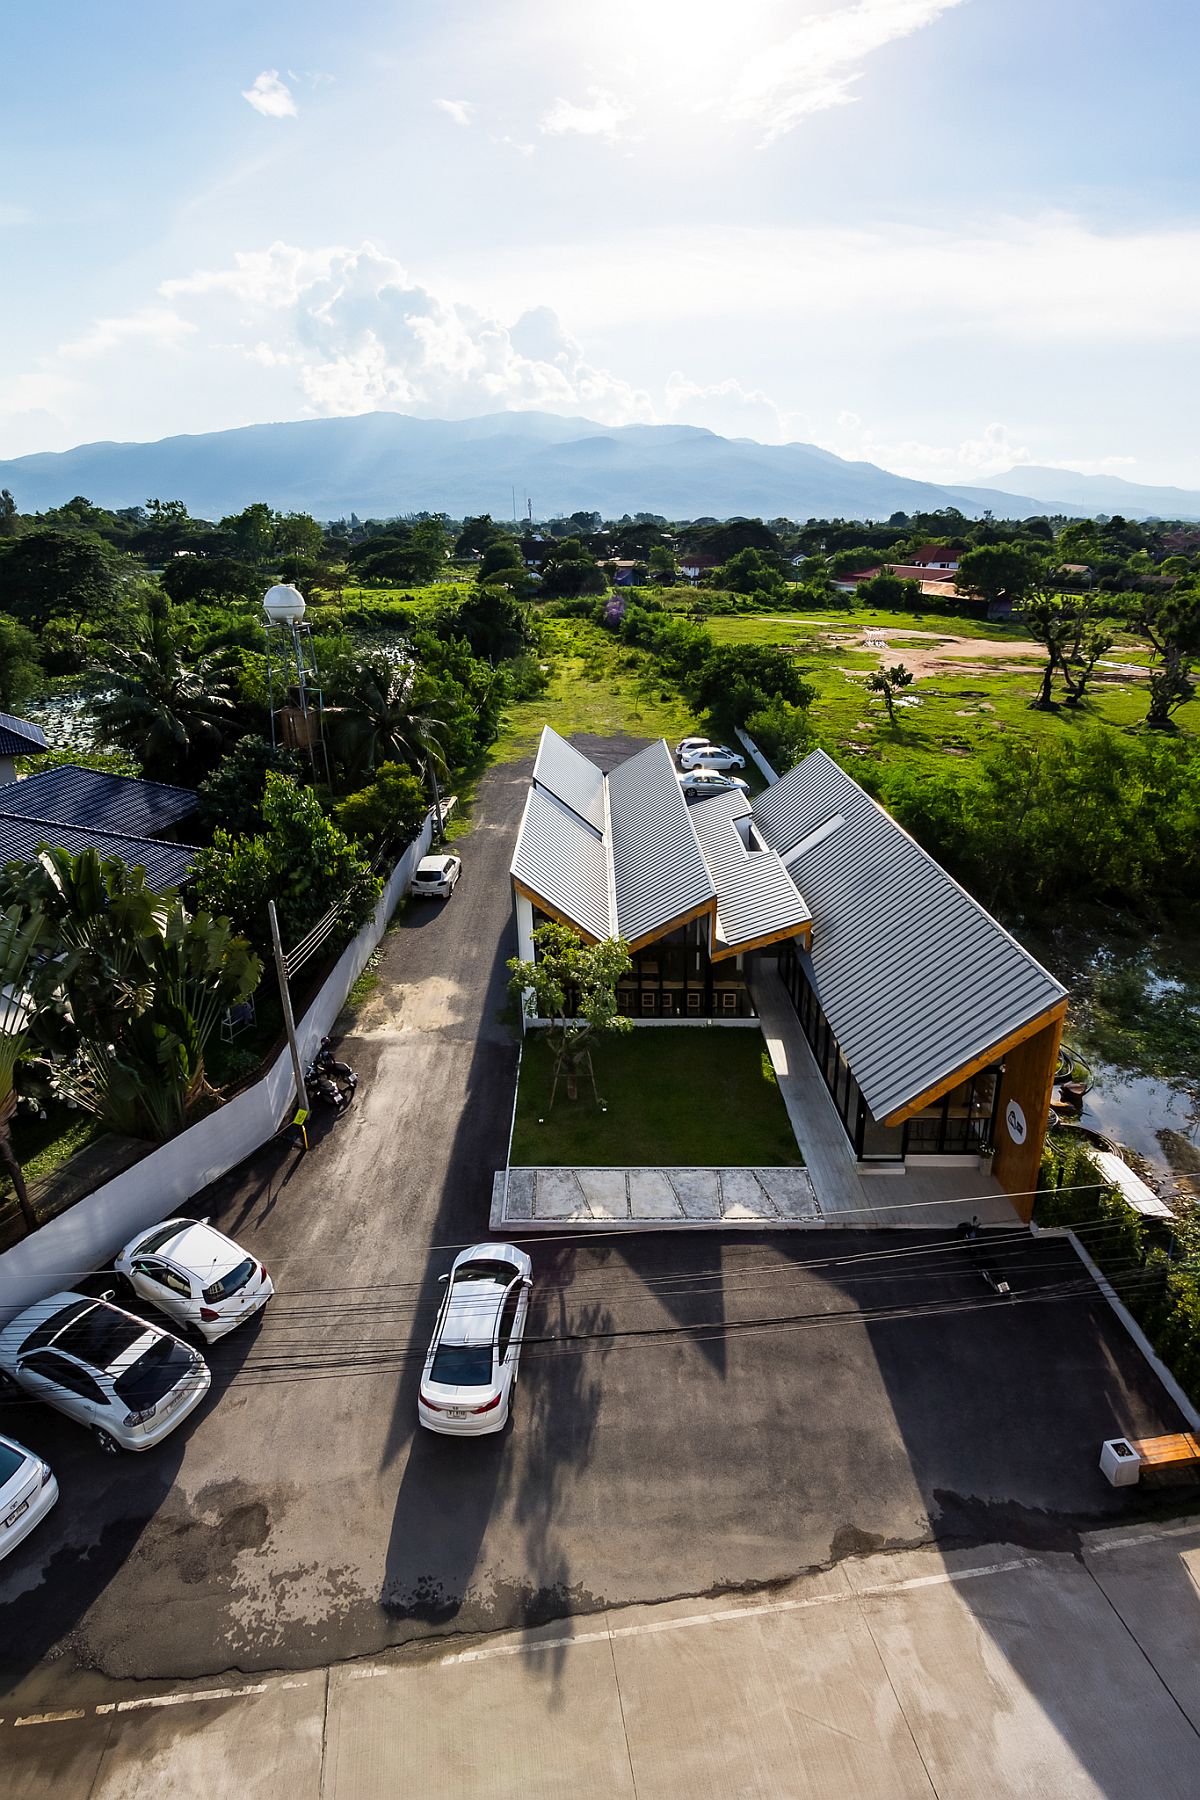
(435, 877)
(469, 1374)
(693, 743)
(27, 1492)
(196, 1275)
(712, 756)
(131, 1382)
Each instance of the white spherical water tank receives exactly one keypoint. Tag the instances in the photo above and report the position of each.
(283, 604)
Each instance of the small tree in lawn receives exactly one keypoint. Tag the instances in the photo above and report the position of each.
(566, 970)
(889, 683)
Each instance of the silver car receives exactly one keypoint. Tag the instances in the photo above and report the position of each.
(471, 1368)
(698, 784)
(129, 1381)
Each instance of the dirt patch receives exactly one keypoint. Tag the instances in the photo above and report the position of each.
(929, 653)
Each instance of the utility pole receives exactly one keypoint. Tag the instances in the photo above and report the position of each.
(438, 831)
(285, 996)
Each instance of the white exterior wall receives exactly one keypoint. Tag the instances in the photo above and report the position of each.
(91, 1232)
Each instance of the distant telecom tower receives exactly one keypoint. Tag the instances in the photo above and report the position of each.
(293, 683)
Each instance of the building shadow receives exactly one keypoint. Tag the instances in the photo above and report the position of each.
(1002, 1406)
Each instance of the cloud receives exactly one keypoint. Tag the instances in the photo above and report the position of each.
(725, 407)
(817, 66)
(602, 115)
(158, 325)
(461, 111)
(270, 96)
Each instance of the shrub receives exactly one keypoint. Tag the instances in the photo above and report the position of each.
(782, 732)
(386, 813)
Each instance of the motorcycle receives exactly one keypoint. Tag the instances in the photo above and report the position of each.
(969, 1233)
(328, 1064)
(323, 1089)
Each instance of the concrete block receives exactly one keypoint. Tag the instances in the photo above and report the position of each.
(557, 1195)
(698, 1191)
(790, 1192)
(520, 1194)
(604, 1192)
(651, 1195)
(742, 1197)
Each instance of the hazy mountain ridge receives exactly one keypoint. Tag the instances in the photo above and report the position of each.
(384, 463)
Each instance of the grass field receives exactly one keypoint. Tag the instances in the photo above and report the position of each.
(596, 685)
(674, 1096)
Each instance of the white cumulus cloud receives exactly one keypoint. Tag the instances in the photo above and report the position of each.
(461, 111)
(270, 96)
(601, 115)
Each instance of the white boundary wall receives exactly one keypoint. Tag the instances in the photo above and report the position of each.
(92, 1231)
(749, 745)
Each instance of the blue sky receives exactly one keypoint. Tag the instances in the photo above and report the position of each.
(945, 235)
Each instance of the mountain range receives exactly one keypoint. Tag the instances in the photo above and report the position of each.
(382, 464)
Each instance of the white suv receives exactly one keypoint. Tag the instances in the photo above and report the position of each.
(435, 877)
(131, 1382)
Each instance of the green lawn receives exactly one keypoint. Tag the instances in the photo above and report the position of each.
(675, 1096)
(597, 685)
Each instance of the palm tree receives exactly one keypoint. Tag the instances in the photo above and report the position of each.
(174, 718)
(377, 720)
(21, 930)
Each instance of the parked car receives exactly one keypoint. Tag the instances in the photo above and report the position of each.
(435, 877)
(130, 1381)
(196, 1275)
(712, 756)
(697, 783)
(27, 1492)
(469, 1374)
(692, 743)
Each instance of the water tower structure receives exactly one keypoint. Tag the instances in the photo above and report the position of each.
(293, 681)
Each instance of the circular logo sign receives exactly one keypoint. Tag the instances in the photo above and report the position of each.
(1014, 1118)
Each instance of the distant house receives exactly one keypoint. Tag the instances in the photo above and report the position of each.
(1078, 575)
(934, 585)
(18, 737)
(74, 809)
(935, 556)
(695, 563)
(848, 581)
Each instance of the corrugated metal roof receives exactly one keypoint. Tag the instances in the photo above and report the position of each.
(98, 802)
(756, 898)
(21, 838)
(20, 737)
(659, 871)
(571, 777)
(561, 859)
(913, 975)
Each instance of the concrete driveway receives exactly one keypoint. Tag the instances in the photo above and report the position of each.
(666, 1441)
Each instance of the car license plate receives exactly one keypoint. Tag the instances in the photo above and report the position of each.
(456, 1412)
(14, 1516)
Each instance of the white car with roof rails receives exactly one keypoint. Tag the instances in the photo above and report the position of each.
(196, 1275)
(27, 1492)
(712, 756)
(688, 744)
(129, 1381)
(471, 1368)
(435, 877)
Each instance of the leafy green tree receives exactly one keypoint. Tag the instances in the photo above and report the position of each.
(379, 718)
(490, 621)
(999, 572)
(297, 534)
(387, 813)
(890, 682)
(783, 733)
(749, 572)
(20, 665)
(49, 574)
(250, 533)
(1171, 621)
(300, 859)
(478, 534)
(664, 570)
(1075, 640)
(191, 580)
(231, 798)
(10, 518)
(573, 985)
(738, 679)
(503, 563)
(132, 990)
(569, 570)
(889, 592)
(175, 718)
(23, 931)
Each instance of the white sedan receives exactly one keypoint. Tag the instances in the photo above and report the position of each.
(469, 1374)
(129, 1381)
(435, 877)
(712, 756)
(693, 743)
(196, 1275)
(27, 1492)
(697, 784)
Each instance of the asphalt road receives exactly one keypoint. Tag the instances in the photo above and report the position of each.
(663, 1444)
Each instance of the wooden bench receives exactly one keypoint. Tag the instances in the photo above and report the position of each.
(1173, 1457)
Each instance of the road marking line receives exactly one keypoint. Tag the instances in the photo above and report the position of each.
(55, 1718)
(228, 1693)
(1126, 1542)
(652, 1627)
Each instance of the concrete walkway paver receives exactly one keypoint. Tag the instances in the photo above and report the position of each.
(666, 1198)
